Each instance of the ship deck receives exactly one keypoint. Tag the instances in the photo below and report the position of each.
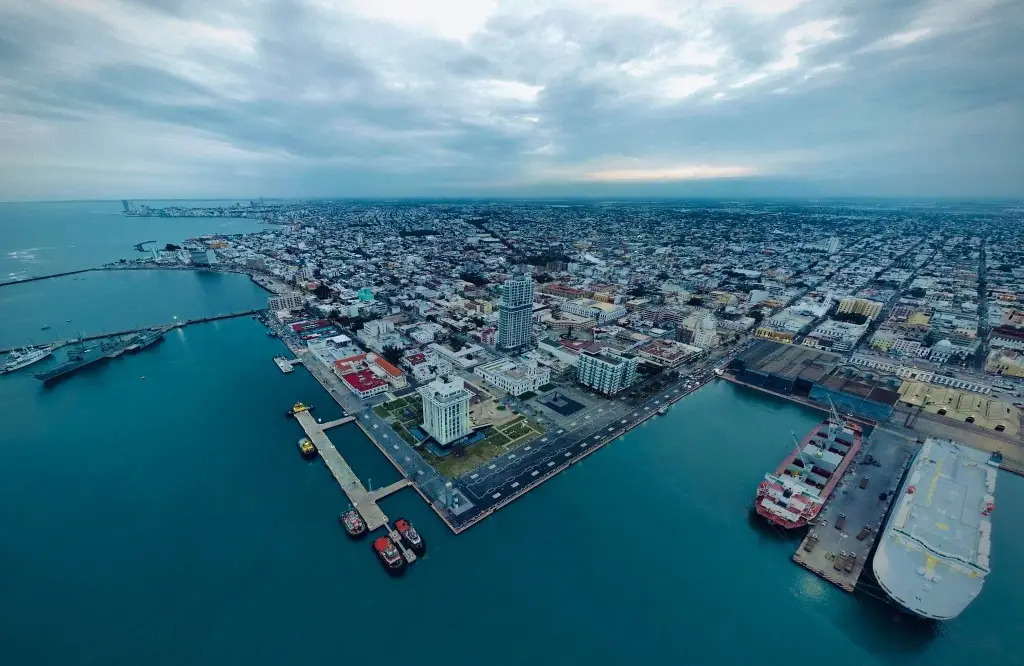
(893, 449)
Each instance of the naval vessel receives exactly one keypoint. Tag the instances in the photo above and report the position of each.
(933, 554)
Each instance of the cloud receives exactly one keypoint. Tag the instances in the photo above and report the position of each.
(179, 98)
(660, 174)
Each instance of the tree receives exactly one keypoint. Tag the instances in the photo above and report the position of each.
(392, 354)
(323, 292)
(171, 247)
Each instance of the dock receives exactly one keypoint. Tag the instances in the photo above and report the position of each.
(287, 365)
(142, 329)
(362, 500)
(891, 449)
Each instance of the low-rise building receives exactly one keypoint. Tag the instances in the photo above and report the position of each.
(512, 377)
(668, 353)
(836, 336)
(364, 383)
(599, 311)
(1007, 362)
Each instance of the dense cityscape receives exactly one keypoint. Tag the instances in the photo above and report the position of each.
(489, 345)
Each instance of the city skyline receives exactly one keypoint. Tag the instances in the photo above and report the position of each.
(716, 98)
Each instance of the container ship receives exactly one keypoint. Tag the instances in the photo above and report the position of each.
(795, 493)
(933, 554)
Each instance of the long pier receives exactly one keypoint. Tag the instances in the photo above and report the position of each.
(362, 500)
(130, 331)
(828, 551)
(36, 278)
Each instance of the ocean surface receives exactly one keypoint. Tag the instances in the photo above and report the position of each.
(45, 238)
(154, 510)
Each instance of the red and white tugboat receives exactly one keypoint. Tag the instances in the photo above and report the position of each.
(389, 555)
(353, 524)
(410, 536)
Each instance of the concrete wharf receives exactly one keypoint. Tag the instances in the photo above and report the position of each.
(892, 450)
(286, 365)
(139, 329)
(364, 501)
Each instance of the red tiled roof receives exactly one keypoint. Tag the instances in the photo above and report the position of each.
(416, 359)
(361, 381)
(386, 366)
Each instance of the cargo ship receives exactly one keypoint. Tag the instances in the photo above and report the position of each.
(933, 554)
(389, 555)
(410, 536)
(21, 359)
(795, 493)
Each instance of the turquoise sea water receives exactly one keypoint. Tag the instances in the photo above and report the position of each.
(170, 520)
(45, 238)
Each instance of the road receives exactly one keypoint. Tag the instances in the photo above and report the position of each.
(496, 481)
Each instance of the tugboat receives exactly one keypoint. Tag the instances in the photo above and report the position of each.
(390, 557)
(353, 524)
(307, 449)
(298, 407)
(410, 536)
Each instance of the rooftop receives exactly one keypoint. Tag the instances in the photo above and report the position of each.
(363, 380)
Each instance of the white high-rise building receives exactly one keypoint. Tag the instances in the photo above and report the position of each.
(515, 319)
(606, 372)
(292, 301)
(446, 409)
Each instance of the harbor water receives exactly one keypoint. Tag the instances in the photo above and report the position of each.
(155, 511)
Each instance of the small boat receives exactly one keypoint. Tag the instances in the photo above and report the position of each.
(296, 408)
(389, 555)
(996, 459)
(306, 448)
(664, 410)
(68, 321)
(410, 536)
(44, 327)
(353, 523)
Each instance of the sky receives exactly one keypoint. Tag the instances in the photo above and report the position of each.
(300, 98)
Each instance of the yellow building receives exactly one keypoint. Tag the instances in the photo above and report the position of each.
(1005, 362)
(975, 408)
(861, 306)
(771, 334)
(919, 319)
(882, 344)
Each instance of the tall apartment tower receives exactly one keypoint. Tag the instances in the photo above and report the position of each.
(515, 317)
(446, 409)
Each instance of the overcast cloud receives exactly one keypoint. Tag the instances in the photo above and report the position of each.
(184, 98)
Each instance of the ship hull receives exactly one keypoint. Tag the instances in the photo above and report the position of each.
(932, 556)
(783, 516)
(24, 363)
